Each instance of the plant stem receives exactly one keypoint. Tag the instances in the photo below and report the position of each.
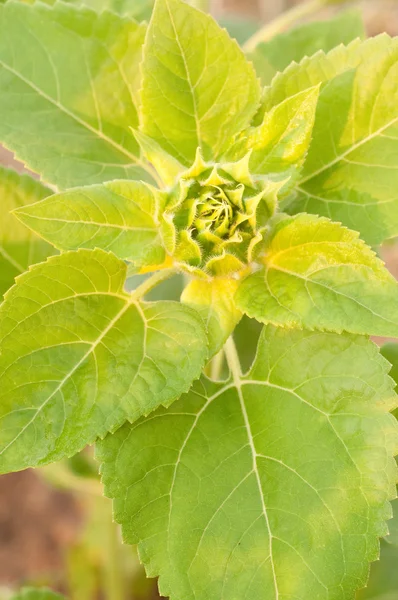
(233, 361)
(152, 282)
(281, 23)
(216, 365)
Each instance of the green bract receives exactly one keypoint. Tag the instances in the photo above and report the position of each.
(165, 157)
(218, 212)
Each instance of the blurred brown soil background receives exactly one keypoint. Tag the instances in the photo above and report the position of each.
(38, 523)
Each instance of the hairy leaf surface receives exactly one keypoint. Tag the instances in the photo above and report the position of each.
(272, 485)
(198, 88)
(68, 92)
(305, 40)
(79, 356)
(19, 247)
(318, 274)
(120, 216)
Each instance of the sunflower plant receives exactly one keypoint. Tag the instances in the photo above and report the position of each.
(162, 157)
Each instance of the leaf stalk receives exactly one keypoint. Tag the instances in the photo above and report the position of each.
(152, 282)
(232, 356)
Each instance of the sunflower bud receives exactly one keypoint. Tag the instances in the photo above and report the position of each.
(219, 214)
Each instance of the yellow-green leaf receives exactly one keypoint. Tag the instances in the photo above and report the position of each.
(320, 275)
(214, 300)
(79, 356)
(198, 88)
(19, 247)
(268, 486)
(69, 81)
(119, 216)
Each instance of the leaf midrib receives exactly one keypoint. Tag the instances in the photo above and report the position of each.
(94, 223)
(237, 383)
(347, 152)
(330, 289)
(191, 87)
(236, 372)
(93, 346)
(134, 159)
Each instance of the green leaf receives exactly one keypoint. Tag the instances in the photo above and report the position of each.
(120, 216)
(137, 9)
(305, 40)
(321, 68)
(198, 88)
(351, 172)
(319, 275)
(19, 247)
(280, 143)
(68, 92)
(79, 356)
(30, 593)
(274, 485)
(140, 10)
(166, 165)
(214, 300)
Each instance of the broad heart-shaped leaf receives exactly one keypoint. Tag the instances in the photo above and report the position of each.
(79, 356)
(274, 485)
(214, 300)
(30, 593)
(198, 89)
(120, 216)
(19, 247)
(320, 275)
(305, 40)
(280, 143)
(68, 92)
